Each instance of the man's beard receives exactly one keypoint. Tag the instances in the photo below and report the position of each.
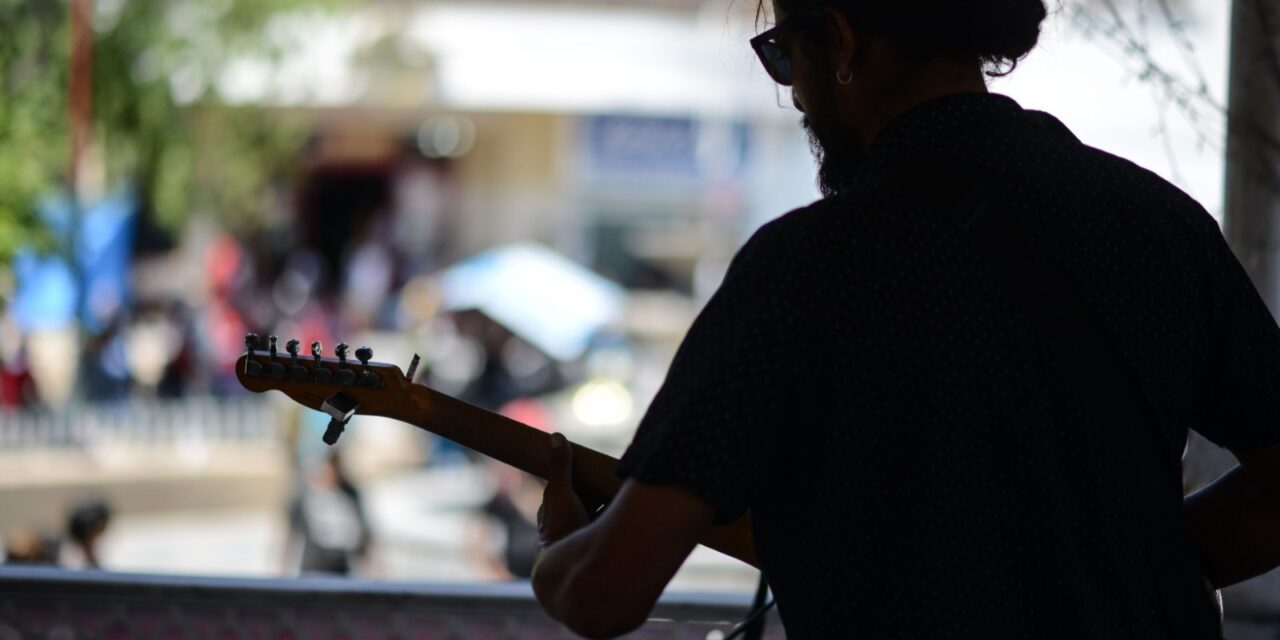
(838, 156)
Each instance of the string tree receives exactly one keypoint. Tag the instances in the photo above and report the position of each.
(413, 368)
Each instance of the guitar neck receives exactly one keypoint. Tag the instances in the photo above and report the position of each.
(510, 442)
(527, 449)
(341, 389)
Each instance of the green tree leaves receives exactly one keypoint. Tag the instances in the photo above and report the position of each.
(158, 121)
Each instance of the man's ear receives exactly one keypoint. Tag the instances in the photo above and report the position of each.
(842, 41)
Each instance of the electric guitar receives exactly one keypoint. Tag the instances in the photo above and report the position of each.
(341, 389)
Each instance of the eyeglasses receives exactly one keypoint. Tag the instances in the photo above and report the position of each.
(774, 57)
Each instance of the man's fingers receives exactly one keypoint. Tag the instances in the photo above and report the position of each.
(561, 513)
(561, 471)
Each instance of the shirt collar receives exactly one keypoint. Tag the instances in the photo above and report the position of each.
(940, 127)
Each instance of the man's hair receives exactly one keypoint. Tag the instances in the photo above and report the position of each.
(998, 33)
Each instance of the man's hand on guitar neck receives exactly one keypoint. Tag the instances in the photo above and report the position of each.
(602, 579)
(561, 512)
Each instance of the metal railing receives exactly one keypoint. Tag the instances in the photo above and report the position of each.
(140, 424)
(53, 603)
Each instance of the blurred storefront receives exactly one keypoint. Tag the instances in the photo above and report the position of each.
(638, 139)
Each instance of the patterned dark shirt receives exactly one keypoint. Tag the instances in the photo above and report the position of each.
(863, 384)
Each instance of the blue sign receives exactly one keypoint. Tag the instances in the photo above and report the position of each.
(664, 147)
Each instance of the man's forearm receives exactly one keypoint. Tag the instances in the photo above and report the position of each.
(1235, 525)
(551, 572)
(570, 588)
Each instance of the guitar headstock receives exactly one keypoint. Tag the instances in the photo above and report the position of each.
(338, 386)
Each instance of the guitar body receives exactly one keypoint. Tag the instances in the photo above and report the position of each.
(381, 389)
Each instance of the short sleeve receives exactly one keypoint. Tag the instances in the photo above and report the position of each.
(709, 427)
(1242, 409)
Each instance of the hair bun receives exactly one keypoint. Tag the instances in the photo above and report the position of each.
(1003, 31)
(997, 32)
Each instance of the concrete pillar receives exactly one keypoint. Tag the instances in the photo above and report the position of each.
(1251, 220)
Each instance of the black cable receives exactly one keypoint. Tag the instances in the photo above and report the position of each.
(755, 621)
(742, 626)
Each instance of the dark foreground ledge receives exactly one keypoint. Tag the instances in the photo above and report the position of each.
(54, 603)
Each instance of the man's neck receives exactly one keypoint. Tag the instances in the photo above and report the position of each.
(902, 92)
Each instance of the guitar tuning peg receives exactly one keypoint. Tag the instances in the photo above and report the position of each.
(345, 376)
(367, 378)
(277, 370)
(252, 367)
(319, 374)
(298, 372)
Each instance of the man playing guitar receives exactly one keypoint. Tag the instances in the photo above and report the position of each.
(952, 393)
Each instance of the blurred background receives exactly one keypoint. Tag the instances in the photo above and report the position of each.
(535, 196)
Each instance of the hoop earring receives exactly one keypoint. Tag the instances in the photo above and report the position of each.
(842, 79)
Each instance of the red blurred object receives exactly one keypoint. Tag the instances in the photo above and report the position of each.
(528, 411)
(17, 388)
(221, 263)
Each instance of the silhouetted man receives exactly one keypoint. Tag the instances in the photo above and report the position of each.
(902, 382)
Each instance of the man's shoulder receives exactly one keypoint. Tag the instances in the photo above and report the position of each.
(796, 242)
(800, 230)
(1106, 170)
(1113, 186)
(817, 217)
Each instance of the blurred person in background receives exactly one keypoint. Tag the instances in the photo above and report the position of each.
(370, 275)
(505, 540)
(28, 546)
(85, 526)
(17, 387)
(928, 446)
(105, 376)
(328, 530)
(182, 373)
(488, 383)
